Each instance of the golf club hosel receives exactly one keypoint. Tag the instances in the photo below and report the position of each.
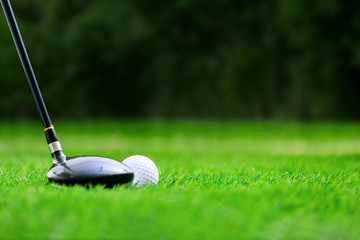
(54, 145)
(50, 135)
(58, 157)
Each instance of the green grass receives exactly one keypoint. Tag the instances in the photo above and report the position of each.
(233, 180)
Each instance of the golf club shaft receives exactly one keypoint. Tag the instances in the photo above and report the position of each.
(26, 62)
(52, 140)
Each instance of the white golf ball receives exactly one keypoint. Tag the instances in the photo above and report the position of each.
(145, 170)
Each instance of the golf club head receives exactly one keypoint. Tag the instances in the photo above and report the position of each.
(91, 170)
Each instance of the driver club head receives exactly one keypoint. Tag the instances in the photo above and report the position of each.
(91, 170)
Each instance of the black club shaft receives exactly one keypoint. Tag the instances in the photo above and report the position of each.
(26, 62)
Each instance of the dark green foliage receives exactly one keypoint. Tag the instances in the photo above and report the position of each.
(224, 59)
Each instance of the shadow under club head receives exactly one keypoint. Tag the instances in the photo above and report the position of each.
(91, 170)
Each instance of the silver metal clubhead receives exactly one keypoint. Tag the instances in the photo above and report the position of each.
(91, 170)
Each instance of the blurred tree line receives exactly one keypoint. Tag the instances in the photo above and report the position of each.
(207, 59)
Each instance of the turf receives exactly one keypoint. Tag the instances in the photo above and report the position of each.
(230, 180)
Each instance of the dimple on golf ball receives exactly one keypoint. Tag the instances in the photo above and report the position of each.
(145, 171)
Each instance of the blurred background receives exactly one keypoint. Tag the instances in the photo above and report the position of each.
(258, 59)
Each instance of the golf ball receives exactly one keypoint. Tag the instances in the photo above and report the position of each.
(145, 171)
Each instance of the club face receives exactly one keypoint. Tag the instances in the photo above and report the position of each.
(91, 170)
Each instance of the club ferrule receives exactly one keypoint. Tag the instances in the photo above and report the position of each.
(55, 146)
(52, 140)
(50, 135)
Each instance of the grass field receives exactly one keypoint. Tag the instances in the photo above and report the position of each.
(233, 180)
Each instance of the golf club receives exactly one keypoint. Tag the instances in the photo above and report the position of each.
(66, 170)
